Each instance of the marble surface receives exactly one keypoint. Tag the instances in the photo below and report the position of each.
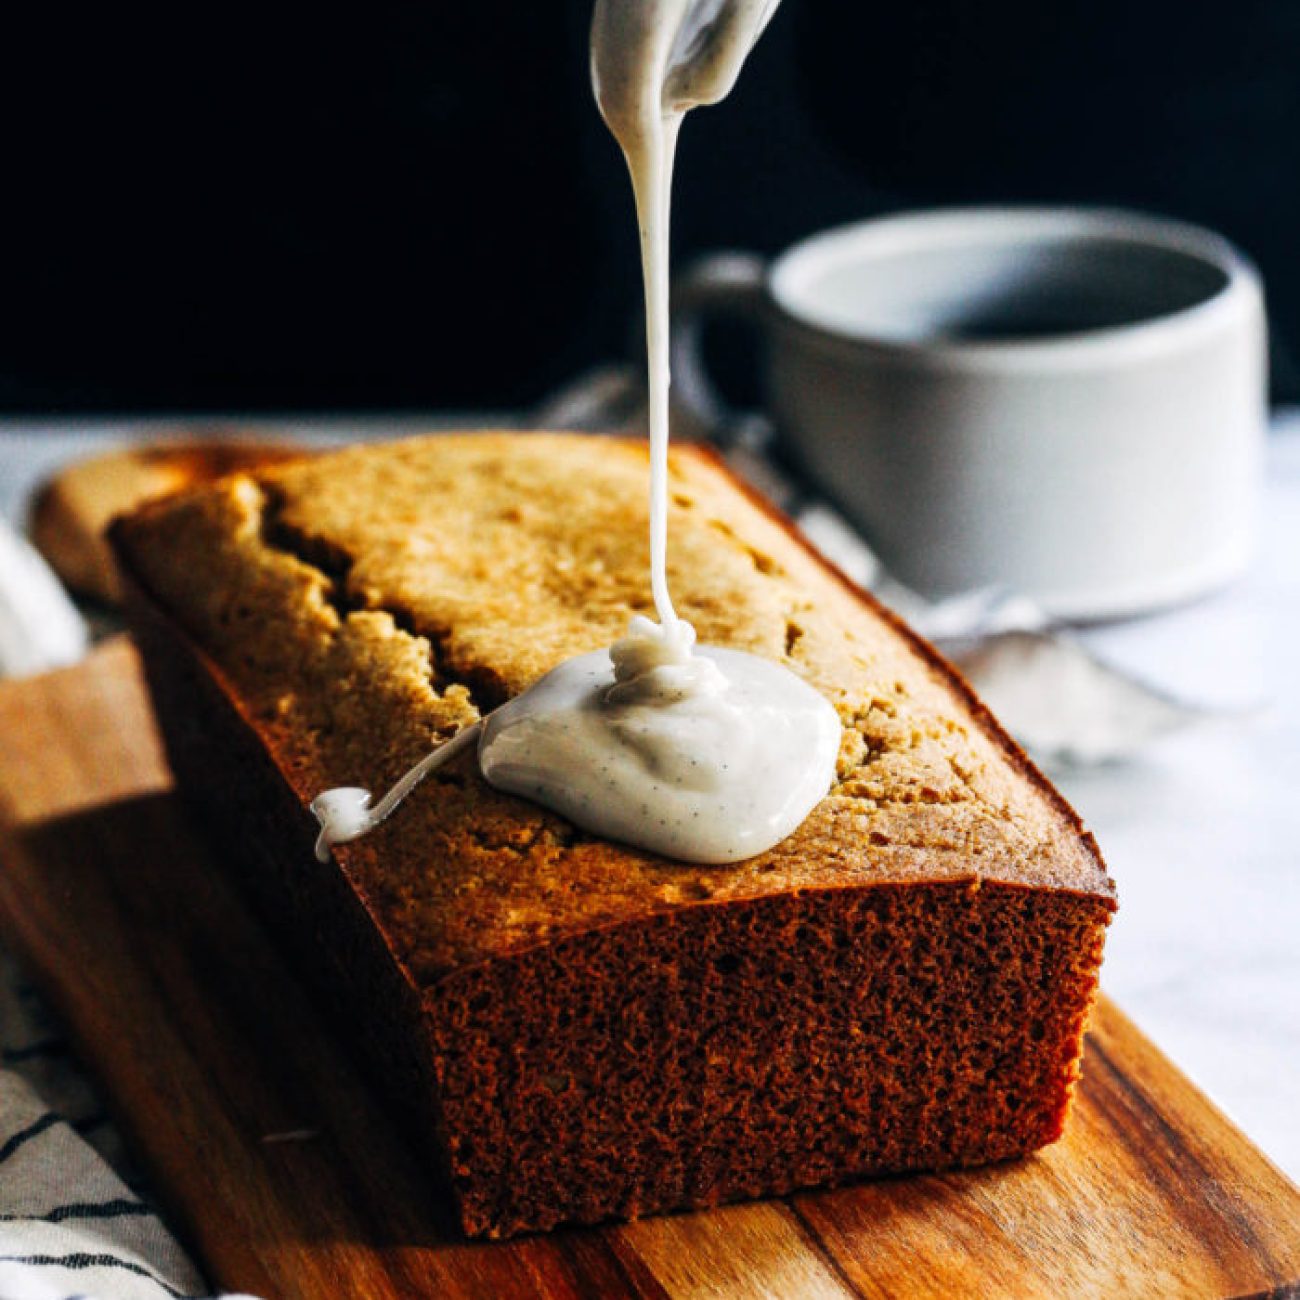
(1201, 832)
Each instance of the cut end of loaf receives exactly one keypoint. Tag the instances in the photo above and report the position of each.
(728, 1053)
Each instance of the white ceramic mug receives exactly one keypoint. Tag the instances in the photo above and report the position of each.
(1068, 403)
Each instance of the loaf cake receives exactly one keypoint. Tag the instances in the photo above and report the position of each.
(580, 1029)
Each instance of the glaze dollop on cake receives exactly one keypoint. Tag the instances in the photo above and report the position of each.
(703, 754)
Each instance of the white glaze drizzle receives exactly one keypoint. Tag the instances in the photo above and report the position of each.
(652, 61)
(708, 755)
(345, 812)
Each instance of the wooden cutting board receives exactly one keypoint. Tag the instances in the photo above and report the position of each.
(288, 1178)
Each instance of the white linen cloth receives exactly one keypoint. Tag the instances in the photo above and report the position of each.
(75, 1218)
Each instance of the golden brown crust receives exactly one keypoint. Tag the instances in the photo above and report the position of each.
(962, 688)
(72, 510)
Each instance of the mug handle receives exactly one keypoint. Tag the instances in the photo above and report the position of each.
(719, 285)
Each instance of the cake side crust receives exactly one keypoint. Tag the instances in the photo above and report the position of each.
(758, 1047)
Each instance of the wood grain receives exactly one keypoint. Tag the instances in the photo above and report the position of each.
(288, 1178)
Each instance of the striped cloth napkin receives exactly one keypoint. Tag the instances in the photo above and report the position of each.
(75, 1217)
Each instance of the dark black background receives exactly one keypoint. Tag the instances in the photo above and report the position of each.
(417, 206)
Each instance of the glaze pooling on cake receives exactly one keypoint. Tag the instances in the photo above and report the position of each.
(674, 755)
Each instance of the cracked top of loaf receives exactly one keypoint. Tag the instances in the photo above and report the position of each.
(362, 605)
